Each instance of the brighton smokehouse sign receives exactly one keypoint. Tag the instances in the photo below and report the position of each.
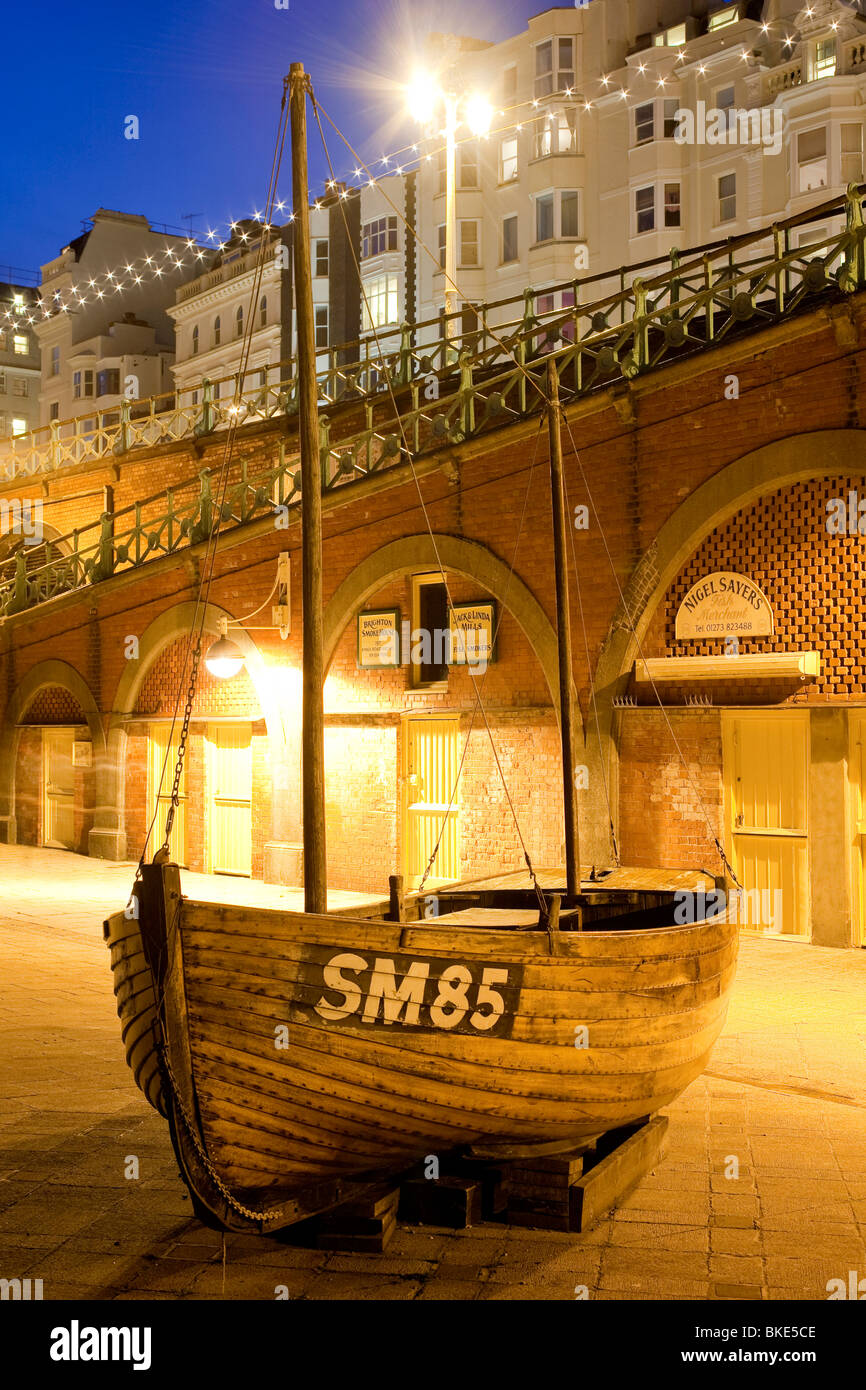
(724, 605)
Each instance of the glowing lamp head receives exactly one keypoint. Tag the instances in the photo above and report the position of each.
(224, 659)
(422, 96)
(479, 115)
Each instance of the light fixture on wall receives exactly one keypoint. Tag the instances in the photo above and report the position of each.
(225, 658)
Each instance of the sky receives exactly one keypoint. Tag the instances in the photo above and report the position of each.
(204, 79)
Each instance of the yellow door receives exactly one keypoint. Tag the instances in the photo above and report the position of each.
(430, 762)
(230, 784)
(766, 758)
(857, 781)
(159, 787)
(58, 789)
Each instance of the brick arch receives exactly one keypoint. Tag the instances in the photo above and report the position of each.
(464, 557)
(44, 674)
(173, 623)
(795, 459)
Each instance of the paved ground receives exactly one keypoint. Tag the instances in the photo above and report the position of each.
(786, 1095)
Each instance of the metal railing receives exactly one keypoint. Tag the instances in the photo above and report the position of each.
(699, 302)
(349, 371)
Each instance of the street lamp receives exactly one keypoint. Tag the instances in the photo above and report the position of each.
(225, 658)
(426, 97)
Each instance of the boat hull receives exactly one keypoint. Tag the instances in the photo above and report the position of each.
(302, 1050)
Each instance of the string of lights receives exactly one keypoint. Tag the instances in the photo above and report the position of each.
(197, 255)
(167, 263)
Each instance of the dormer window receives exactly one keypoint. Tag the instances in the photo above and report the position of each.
(674, 37)
(825, 58)
(729, 15)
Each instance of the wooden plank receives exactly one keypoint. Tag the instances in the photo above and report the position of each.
(445, 1201)
(614, 1177)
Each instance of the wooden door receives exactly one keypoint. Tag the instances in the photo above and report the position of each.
(159, 796)
(857, 787)
(58, 789)
(766, 759)
(430, 762)
(230, 794)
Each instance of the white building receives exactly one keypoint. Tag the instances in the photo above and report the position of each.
(623, 131)
(109, 337)
(245, 281)
(19, 360)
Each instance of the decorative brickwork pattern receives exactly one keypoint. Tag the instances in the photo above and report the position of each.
(815, 583)
(54, 705)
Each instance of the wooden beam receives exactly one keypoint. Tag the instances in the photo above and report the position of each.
(563, 626)
(313, 735)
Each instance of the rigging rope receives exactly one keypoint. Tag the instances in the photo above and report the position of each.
(425, 513)
(193, 651)
(539, 387)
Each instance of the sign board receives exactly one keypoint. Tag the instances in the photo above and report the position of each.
(473, 633)
(724, 605)
(379, 638)
(363, 990)
(82, 753)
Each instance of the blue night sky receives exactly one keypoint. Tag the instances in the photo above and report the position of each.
(204, 79)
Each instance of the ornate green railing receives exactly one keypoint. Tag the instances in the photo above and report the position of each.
(698, 303)
(359, 371)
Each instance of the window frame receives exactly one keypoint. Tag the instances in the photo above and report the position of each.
(462, 263)
(503, 177)
(720, 197)
(510, 217)
(639, 211)
(545, 198)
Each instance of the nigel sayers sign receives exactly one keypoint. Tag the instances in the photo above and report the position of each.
(724, 605)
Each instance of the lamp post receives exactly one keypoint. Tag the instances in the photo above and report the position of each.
(426, 97)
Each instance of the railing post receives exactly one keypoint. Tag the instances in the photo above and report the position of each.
(54, 446)
(19, 597)
(324, 449)
(675, 280)
(404, 375)
(779, 256)
(853, 275)
(123, 440)
(202, 530)
(641, 331)
(104, 567)
(205, 422)
(467, 396)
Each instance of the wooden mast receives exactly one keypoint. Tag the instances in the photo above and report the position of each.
(563, 627)
(313, 734)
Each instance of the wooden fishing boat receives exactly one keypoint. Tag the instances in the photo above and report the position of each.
(301, 1057)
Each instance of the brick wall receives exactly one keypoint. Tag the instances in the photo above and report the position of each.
(638, 471)
(662, 823)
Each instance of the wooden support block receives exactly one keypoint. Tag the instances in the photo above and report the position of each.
(445, 1201)
(539, 1214)
(561, 1170)
(615, 1175)
(373, 1243)
(367, 1224)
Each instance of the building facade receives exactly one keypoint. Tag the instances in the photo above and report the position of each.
(112, 340)
(251, 277)
(19, 360)
(717, 659)
(620, 132)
